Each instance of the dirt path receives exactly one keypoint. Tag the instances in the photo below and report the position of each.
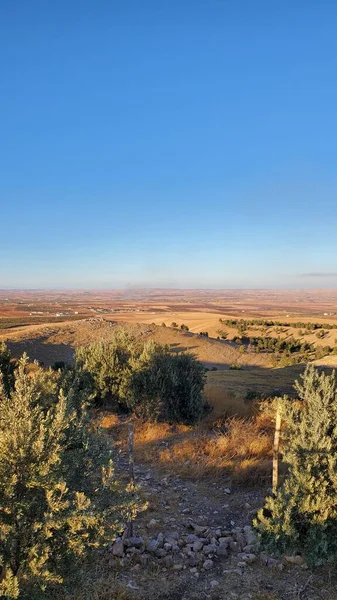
(174, 505)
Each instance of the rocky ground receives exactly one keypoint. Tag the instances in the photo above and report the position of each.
(195, 541)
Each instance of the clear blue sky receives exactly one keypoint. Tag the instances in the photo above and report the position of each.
(187, 143)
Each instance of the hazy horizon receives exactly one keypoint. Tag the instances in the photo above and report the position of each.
(191, 145)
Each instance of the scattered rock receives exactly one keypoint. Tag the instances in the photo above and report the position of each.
(153, 522)
(118, 548)
(208, 565)
(152, 546)
(247, 558)
(136, 541)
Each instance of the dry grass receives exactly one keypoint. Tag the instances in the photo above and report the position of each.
(239, 449)
(225, 404)
(241, 452)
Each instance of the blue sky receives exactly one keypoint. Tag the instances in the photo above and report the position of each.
(186, 143)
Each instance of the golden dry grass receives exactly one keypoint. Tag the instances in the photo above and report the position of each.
(237, 448)
(241, 452)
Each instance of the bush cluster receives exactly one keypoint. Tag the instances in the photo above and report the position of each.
(144, 378)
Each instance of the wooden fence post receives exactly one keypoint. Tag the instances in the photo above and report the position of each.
(131, 470)
(276, 446)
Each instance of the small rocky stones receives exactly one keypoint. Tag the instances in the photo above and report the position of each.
(198, 545)
(136, 541)
(153, 522)
(200, 550)
(222, 551)
(210, 549)
(208, 564)
(152, 546)
(168, 561)
(250, 535)
(118, 548)
(247, 558)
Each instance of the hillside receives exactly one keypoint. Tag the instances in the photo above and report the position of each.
(49, 343)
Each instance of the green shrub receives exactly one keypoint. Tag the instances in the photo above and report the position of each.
(58, 494)
(167, 386)
(109, 365)
(144, 377)
(302, 517)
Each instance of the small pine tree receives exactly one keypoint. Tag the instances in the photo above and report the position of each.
(302, 517)
(58, 495)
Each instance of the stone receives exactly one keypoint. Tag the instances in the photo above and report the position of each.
(250, 535)
(227, 491)
(178, 567)
(136, 541)
(208, 564)
(152, 546)
(222, 551)
(191, 538)
(161, 553)
(210, 549)
(193, 560)
(240, 538)
(160, 540)
(234, 546)
(167, 547)
(118, 548)
(214, 583)
(168, 561)
(198, 545)
(225, 541)
(247, 558)
(199, 528)
(153, 522)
